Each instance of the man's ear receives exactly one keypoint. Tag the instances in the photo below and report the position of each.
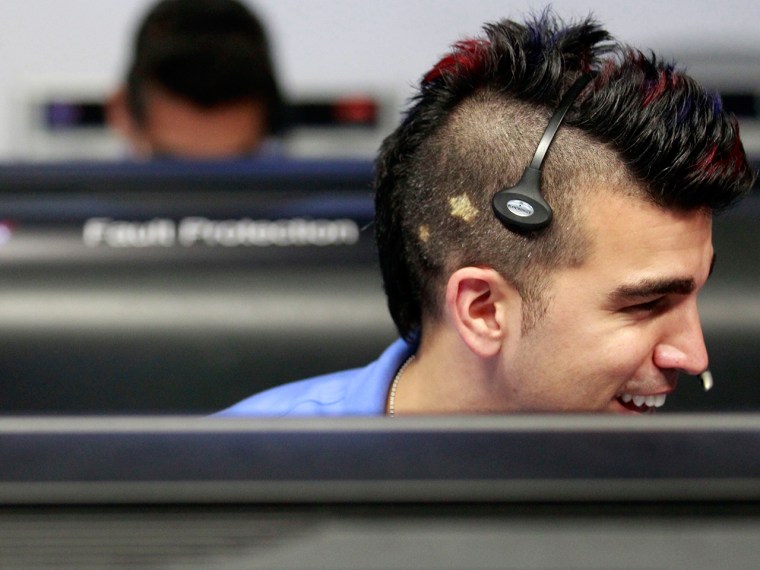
(484, 308)
(120, 119)
(117, 112)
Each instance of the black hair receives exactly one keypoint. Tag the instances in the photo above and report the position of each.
(661, 128)
(209, 52)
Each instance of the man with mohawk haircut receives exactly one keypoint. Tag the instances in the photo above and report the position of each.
(543, 221)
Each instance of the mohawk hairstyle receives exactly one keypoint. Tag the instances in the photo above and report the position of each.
(656, 126)
(674, 135)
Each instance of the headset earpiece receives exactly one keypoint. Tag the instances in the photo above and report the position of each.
(521, 207)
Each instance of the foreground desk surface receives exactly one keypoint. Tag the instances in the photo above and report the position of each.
(514, 492)
(516, 458)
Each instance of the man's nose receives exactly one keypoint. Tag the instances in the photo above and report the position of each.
(683, 345)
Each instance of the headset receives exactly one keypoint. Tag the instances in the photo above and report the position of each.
(521, 207)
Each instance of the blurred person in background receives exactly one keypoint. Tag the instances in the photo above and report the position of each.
(201, 83)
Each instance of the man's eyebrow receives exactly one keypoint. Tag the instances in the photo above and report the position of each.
(653, 288)
(657, 287)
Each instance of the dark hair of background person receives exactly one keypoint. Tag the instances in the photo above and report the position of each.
(209, 52)
(474, 125)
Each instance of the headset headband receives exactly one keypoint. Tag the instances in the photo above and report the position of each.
(521, 207)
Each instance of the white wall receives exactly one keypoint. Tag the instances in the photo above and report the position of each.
(337, 45)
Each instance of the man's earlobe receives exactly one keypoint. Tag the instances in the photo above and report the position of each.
(483, 307)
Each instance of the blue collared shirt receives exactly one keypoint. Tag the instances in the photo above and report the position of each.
(356, 392)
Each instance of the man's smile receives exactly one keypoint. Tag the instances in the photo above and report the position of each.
(641, 403)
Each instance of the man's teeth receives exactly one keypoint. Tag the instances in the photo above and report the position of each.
(650, 401)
